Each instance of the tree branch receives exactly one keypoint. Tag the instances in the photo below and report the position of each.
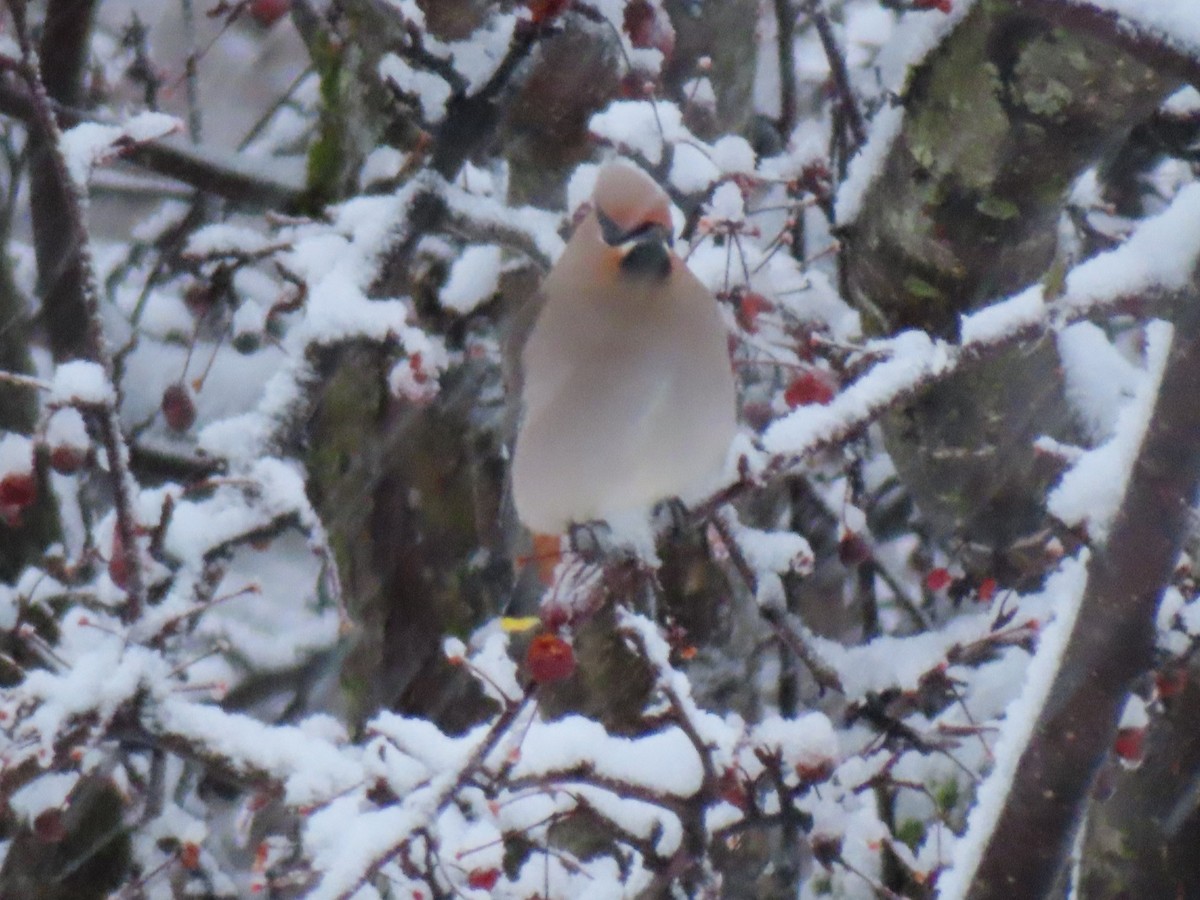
(227, 176)
(1112, 642)
(91, 341)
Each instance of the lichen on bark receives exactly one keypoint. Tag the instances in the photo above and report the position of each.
(1000, 120)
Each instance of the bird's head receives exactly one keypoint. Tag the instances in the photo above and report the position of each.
(634, 218)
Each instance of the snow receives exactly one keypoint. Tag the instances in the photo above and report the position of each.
(1184, 102)
(580, 186)
(1026, 309)
(103, 676)
(90, 143)
(382, 164)
(232, 512)
(423, 741)
(345, 842)
(727, 204)
(1175, 24)
(1098, 377)
(916, 36)
(250, 318)
(913, 357)
(1162, 253)
(642, 127)
(79, 381)
(1135, 713)
(538, 226)
(430, 91)
(48, 791)
(733, 155)
(1066, 586)
(406, 791)
(771, 551)
(664, 761)
(495, 670)
(16, 454)
(473, 278)
(312, 770)
(692, 169)
(66, 428)
(1090, 492)
(866, 165)
(226, 239)
(807, 743)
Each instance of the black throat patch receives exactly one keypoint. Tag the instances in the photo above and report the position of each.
(647, 260)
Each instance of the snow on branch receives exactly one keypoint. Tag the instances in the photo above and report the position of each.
(183, 635)
(1127, 278)
(1087, 668)
(1165, 36)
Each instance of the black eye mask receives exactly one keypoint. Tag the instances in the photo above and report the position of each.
(646, 231)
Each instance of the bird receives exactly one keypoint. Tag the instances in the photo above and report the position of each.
(627, 394)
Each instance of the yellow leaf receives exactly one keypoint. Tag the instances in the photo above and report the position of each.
(517, 624)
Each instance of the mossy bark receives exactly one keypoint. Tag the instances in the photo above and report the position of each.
(410, 496)
(1140, 837)
(999, 121)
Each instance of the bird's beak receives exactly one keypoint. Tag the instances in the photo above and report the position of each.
(644, 250)
(648, 255)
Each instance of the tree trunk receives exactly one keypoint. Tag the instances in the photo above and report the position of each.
(999, 121)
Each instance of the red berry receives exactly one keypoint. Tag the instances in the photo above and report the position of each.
(733, 790)
(268, 12)
(1130, 745)
(67, 437)
(118, 571)
(483, 879)
(943, 6)
(550, 659)
(199, 298)
(18, 490)
(853, 550)
(48, 826)
(544, 10)
(986, 590)
(635, 86)
(555, 616)
(750, 306)
(1169, 682)
(814, 772)
(416, 365)
(178, 408)
(189, 856)
(811, 386)
(648, 27)
(937, 580)
(66, 460)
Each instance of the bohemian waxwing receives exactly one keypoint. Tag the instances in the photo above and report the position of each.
(628, 393)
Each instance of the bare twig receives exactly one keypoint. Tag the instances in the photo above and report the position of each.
(191, 76)
(18, 380)
(656, 652)
(791, 633)
(453, 785)
(225, 175)
(841, 76)
(785, 23)
(115, 447)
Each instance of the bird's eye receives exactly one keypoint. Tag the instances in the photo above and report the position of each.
(609, 230)
(651, 230)
(615, 236)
